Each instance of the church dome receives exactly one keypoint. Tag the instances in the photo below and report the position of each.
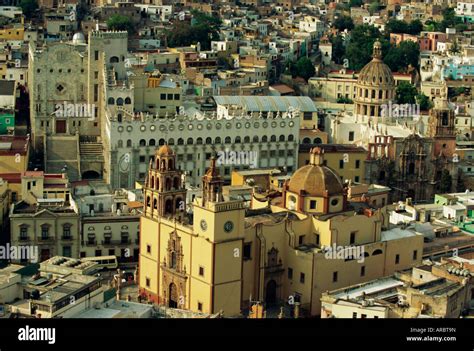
(78, 38)
(165, 150)
(316, 179)
(376, 73)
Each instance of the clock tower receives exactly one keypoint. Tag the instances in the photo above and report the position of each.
(221, 224)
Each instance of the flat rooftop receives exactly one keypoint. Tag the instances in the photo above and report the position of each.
(369, 288)
(396, 233)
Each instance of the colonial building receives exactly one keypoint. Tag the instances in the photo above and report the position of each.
(46, 217)
(416, 166)
(220, 256)
(131, 143)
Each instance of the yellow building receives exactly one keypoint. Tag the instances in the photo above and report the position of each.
(156, 94)
(15, 32)
(14, 156)
(347, 160)
(221, 257)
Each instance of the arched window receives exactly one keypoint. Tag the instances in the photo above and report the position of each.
(190, 141)
(318, 141)
(170, 164)
(148, 201)
(128, 101)
(114, 59)
(238, 140)
(282, 138)
(111, 101)
(176, 182)
(155, 204)
(208, 141)
(129, 143)
(152, 184)
(218, 140)
(142, 142)
(273, 138)
(246, 139)
(152, 142)
(170, 141)
(199, 141)
(306, 141)
(291, 137)
(168, 184)
(377, 252)
(120, 143)
(119, 117)
(264, 139)
(180, 141)
(255, 139)
(161, 142)
(119, 102)
(227, 140)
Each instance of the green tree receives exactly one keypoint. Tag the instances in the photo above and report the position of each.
(343, 22)
(424, 102)
(359, 47)
(406, 93)
(399, 57)
(28, 7)
(373, 7)
(202, 29)
(356, 3)
(344, 100)
(305, 68)
(119, 22)
(415, 27)
(338, 49)
(446, 182)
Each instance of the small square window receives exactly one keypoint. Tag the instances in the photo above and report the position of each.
(201, 271)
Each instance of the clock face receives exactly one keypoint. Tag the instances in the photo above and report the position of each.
(203, 225)
(228, 226)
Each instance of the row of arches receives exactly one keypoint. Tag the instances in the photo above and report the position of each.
(169, 183)
(315, 141)
(170, 204)
(120, 101)
(210, 141)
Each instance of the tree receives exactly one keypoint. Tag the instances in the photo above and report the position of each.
(338, 49)
(446, 182)
(405, 93)
(359, 47)
(424, 102)
(343, 22)
(356, 3)
(305, 68)
(399, 57)
(28, 7)
(373, 7)
(344, 100)
(119, 22)
(202, 29)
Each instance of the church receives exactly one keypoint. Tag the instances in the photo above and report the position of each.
(221, 256)
(411, 154)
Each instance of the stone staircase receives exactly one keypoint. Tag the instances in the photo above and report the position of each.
(63, 151)
(88, 149)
